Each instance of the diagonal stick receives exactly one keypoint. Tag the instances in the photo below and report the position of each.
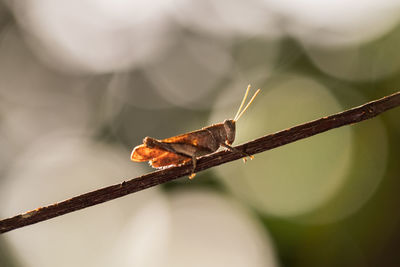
(354, 115)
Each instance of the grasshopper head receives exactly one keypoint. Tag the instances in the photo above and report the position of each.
(230, 130)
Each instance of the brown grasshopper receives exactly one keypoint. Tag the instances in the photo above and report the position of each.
(177, 150)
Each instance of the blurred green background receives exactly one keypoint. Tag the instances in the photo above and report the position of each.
(82, 82)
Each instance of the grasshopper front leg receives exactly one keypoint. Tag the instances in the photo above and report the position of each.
(233, 149)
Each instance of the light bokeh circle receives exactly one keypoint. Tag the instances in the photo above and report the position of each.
(368, 166)
(299, 177)
(56, 168)
(194, 228)
(359, 62)
(96, 36)
(336, 22)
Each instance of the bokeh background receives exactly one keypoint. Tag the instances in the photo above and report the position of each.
(82, 82)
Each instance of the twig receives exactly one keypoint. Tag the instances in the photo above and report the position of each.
(259, 145)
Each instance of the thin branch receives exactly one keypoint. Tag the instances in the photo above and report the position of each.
(259, 145)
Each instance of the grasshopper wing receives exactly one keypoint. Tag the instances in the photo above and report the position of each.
(169, 159)
(144, 153)
(200, 138)
(158, 158)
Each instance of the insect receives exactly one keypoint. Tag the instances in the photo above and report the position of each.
(177, 150)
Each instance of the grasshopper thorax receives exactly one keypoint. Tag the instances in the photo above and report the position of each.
(230, 129)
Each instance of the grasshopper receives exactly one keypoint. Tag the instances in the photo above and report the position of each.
(180, 149)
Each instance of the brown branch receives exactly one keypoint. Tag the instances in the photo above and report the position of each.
(259, 145)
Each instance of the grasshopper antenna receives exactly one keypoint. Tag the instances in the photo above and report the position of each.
(243, 100)
(237, 117)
